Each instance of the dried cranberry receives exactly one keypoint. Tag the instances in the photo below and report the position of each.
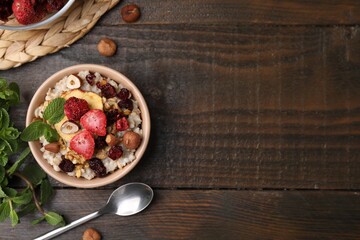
(115, 152)
(122, 124)
(100, 142)
(123, 94)
(97, 166)
(5, 9)
(66, 165)
(107, 90)
(90, 78)
(127, 104)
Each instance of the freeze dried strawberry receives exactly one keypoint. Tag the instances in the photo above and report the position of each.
(122, 124)
(5, 9)
(75, 108)
(94, 121)
(83, 143)
(28, 11)
(54, 5)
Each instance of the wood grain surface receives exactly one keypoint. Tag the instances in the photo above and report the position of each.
(214, 214)
(243, 96)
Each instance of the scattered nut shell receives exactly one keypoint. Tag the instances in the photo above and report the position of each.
(131, 140)
(111, 140)
(69, 127)
(91, 234)
(73, 82)
(106, 47)
(52, 147)
(130, 13)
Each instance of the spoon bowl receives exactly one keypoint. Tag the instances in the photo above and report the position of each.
(126, 200)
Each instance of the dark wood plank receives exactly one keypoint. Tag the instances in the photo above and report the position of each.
(200, 214)
(234, 107)
(295, 12)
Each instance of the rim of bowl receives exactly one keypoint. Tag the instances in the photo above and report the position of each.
(41, 23)
(39, 97)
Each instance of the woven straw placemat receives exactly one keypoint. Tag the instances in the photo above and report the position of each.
(19, 47)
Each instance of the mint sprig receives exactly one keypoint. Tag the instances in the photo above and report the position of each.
(53, 114)
(15, 203)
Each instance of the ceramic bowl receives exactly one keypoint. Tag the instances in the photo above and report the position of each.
(35, 146)
(13, 24)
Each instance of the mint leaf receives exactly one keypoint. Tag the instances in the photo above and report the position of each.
(5, 119)
(54, 219)
(34, 174)
(3, 157)
(39, 220)
(26, 209)
(10, 192)
(14, 217)
(46, 191)
(34, 131)
(51, 134)
(4, 210)
(2, 194)
(23, 197)
(2, 173)
(5, 182)
(19, 161)
(54, 112)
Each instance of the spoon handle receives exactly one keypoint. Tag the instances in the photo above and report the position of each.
(75, 223)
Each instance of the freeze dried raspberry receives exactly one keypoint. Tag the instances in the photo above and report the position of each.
(115, 152)
(122, 124)
(107, 90)
(66, 165)
(98, 167)
(5, 9)
(75, 107)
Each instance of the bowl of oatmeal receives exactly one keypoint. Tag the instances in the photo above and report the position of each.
(103, 129)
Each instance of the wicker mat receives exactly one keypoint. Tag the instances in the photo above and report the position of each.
(19, 47)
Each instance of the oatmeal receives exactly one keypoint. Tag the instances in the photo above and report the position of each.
(100, 129)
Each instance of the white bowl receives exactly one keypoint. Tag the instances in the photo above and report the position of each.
(39, 98)
(15, 26)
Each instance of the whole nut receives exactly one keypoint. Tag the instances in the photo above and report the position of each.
(52, 147)
(131, 140)
(111, 140)
(106, 47)
(130, 13)
(73, 82)
(91, 234)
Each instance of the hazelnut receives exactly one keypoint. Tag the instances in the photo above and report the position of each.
(111, 140)
(69, 127)
(130, 13)
(91, 234)
(106, 47)
(73, 82)
(131, 140)
(52, 147)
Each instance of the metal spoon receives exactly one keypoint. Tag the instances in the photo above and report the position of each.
(126, 200)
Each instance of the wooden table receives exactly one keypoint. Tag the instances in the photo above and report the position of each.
(255, 107)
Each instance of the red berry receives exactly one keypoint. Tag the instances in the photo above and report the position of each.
(75, 107)
(54, 5)
(122, 124)
(123, 94)
(115, 152)
(27, 11)
(94, 121)
(126, 104)
(107, 90)
(83, 143)
(90, 78)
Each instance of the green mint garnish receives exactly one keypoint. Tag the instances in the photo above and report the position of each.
(54, 112)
